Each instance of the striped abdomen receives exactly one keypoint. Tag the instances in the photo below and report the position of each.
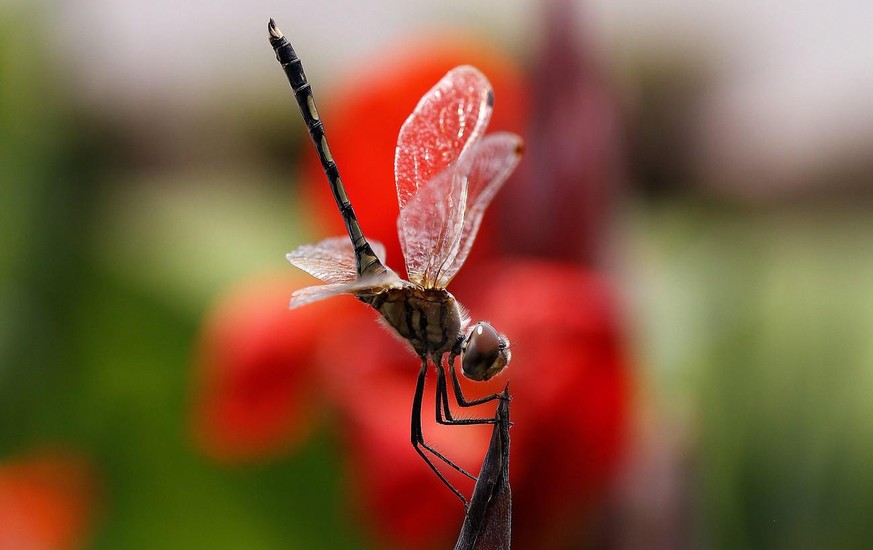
(428, 318)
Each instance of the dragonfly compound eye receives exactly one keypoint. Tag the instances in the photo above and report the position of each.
(485, 353)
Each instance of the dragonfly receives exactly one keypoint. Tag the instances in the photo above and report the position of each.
(447, 171)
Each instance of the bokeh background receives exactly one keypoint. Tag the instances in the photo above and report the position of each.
(683, 261)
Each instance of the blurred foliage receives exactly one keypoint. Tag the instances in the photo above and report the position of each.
(103, 283)
(758, 325)
(36, 252)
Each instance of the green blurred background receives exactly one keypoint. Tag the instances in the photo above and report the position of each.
(146, 162)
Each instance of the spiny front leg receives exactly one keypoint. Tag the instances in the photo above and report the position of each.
(459, 395)
(443, 410)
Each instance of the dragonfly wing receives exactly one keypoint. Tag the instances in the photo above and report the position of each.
(430, 223)
(367, 286)
(331, 260)
(494, 158)
(438, 225)
(452, 115)
(310, 294)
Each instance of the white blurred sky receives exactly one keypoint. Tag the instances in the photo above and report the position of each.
(795, 78)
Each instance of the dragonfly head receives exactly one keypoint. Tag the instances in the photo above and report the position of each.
(485, 352)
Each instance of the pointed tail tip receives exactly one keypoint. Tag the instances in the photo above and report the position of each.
(274, 30)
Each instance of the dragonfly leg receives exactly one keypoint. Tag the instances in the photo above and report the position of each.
(418, 434)
(443, 411)
(442, 401)
(418, 442)
(459, 395)
(421, 440)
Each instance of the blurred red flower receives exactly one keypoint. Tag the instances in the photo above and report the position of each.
(265, 369)
(47, 502)
(255, 391)
(569, 386)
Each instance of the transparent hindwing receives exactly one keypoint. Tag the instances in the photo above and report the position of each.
(333, 261)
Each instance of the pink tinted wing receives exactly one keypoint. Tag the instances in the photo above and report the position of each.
(429, 224)
(331, 260)
(360, 287)
(452, 115)
(493, 159)
(438, 225)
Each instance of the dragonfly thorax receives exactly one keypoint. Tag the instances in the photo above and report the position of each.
(428, 318)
